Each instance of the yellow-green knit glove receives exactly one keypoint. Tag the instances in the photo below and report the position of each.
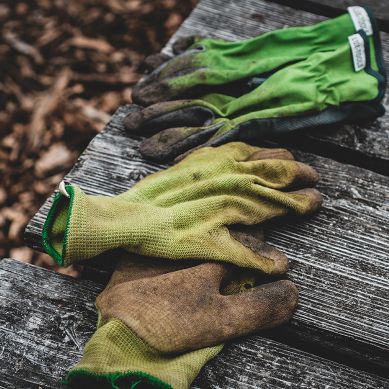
(185, 211)
(159, 324)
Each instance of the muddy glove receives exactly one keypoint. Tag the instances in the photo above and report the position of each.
(185, 211)
(159, 325)
(208, 64)
(327, 88)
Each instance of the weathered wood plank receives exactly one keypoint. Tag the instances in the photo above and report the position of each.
(339, 258)
(366, 146)
(46, 318)
(335, 7)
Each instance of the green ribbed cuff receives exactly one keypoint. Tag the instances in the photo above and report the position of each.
(56, 227)
(79, 378)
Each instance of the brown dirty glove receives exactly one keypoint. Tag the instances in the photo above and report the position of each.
(159, 324)
(186, 211)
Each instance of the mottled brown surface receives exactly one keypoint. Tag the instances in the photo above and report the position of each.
(185, 310)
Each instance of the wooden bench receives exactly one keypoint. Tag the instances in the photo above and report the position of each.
(339, 336)
(46, 318)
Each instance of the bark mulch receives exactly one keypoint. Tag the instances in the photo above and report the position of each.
(65, 66)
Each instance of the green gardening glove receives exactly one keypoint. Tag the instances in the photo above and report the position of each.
(333, 87)
(186, 211)
(211, 63)
(159, 324)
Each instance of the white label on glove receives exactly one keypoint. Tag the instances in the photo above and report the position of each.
(360, 19)
(358, 50)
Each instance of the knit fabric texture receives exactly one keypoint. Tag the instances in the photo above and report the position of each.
(119, 354)
(117, 357)
(184, 212)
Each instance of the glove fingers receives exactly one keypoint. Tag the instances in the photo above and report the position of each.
(258, 204)
(256, 153)
(217, 141)
(275, 260)
(261, 205)
(304, 175)
(165, 115)
(260, 308)
(183, 43)
(169, 143)
(266, 153)
(304, 201)
(232, 246)
(185, 310)
(158, 86)
(273, 203)
(281, 174)
(154, 61)
(253, 204)
(234, 199)
(238, 151)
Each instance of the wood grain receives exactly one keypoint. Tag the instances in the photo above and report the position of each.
(363, 145)
(46, 318)
(335, 7)
(339, 257)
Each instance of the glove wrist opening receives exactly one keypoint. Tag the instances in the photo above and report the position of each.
(56, 227)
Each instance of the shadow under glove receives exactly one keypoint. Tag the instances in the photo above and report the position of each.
(159, 324)
(184, 212)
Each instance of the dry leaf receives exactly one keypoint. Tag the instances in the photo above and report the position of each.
(90, 43)
(23, 254)
(66, 67)
(23, 47)
(57, 157)
(46, 104)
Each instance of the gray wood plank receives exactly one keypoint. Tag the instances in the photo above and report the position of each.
(46, 318)
(339, 258)
(366, 146)
(335, 7)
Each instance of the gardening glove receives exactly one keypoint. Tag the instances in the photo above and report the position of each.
(185, 211)
(327, 88)
(159, 325)
(208, 64)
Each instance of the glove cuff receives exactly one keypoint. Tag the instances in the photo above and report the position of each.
(117, 357)
(77, 225)
(81, 226)
(57, 225)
